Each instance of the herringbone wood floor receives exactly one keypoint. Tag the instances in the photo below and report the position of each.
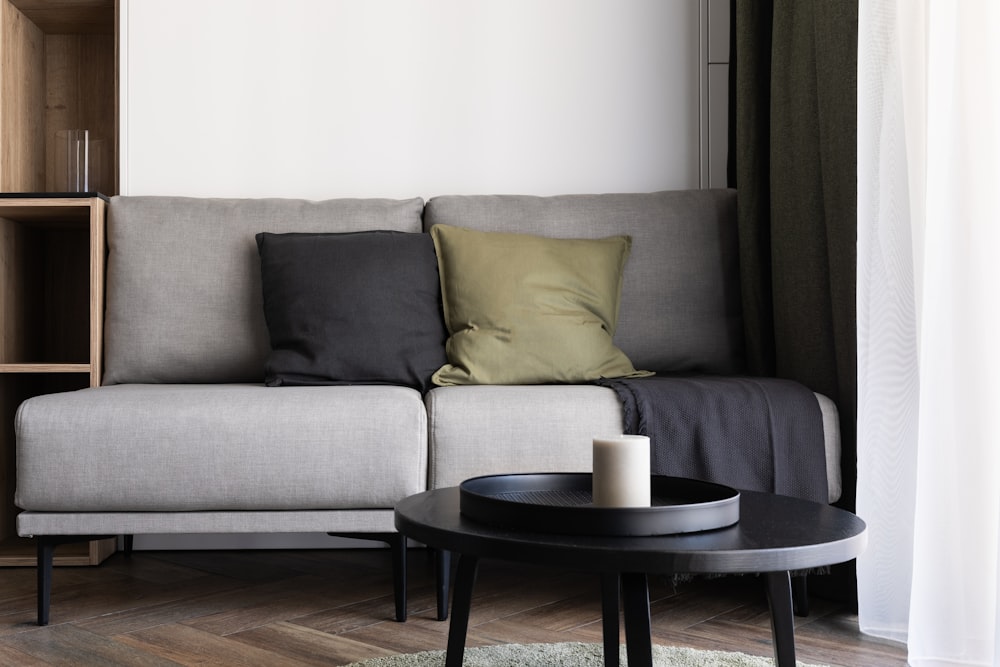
(334, 607)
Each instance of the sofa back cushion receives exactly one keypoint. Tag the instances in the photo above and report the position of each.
(184, 299)
(680, 306)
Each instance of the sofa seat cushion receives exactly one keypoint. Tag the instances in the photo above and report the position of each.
(491, 430)
(171, 448)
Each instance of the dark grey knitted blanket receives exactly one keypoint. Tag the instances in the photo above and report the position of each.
(760, 434)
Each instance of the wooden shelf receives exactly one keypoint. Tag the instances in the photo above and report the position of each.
(46, 212)
(59, 72)
(44, 368)
(52, 254)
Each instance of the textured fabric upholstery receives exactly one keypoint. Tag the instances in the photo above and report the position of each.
(832, 445)
(171, 448)
(486, 430)
(171, 523)
(183, 279)
(680, 304)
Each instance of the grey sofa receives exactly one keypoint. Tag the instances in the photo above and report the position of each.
(183, 437)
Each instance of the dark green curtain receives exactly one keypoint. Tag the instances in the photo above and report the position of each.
(793, 88)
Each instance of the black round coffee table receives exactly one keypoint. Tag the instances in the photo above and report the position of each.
(775, 535)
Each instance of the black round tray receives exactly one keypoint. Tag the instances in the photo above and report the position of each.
(562, 503)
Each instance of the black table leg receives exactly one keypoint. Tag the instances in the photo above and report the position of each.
(610, 595)
(779, 596)
(800, 595)
(461, 604)
(638, 642)
(442, 566)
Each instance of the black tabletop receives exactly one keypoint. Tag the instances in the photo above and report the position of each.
(774, 533)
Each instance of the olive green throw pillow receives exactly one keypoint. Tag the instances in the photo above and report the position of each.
(524, 309)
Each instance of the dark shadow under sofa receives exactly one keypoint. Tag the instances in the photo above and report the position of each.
(185, 437)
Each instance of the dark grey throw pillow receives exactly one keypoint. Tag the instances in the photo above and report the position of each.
(352, 308)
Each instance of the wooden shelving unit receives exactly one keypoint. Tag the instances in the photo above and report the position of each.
(52, 252)
(59, 72)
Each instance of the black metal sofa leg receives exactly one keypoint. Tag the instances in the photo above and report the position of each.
(397, 544)
(46, 552)
(46, 549)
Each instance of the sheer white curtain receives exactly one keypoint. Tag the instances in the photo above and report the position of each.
(929, 326)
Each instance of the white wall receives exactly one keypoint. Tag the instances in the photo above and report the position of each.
(400, 98)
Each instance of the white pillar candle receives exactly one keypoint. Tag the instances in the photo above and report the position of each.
(621, 471)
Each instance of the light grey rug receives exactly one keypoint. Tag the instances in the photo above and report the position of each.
(569, 655)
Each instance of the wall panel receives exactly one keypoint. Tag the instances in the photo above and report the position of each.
(327, 98)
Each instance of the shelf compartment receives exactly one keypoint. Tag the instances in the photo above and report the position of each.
(45, 291)
(60, 73)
